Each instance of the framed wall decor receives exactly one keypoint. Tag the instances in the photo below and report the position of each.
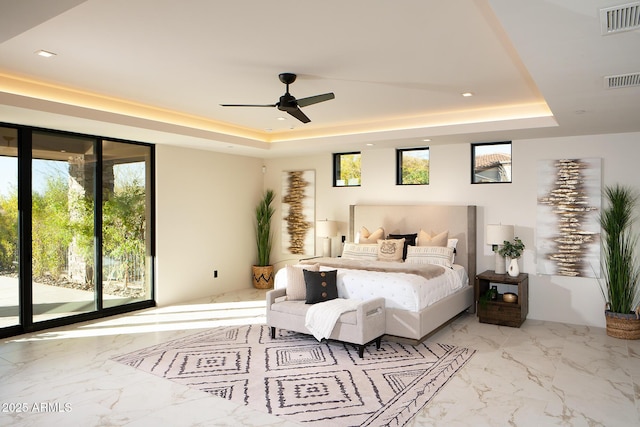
(298, 212)
(568, 209)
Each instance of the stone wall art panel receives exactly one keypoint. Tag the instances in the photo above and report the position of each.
(568, 209)
(298, 212)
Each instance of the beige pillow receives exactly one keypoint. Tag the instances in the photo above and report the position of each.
(390, 250)
(426, 239)
(296, 287)
(367, 237)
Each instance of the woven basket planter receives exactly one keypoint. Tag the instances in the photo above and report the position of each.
(262, 276)
(621, 325)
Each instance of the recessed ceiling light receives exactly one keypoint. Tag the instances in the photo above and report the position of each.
(467, 94)
(426, 140)
(281, 118)
(370, 144)
(45, 53)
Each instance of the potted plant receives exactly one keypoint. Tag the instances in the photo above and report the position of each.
(513, 251)
(620, 266)
(263, 270)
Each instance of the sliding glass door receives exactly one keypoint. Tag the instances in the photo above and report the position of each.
(62, 225)
(76, 228)
(126, 246)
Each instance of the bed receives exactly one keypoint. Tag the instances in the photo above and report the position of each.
(416, 304)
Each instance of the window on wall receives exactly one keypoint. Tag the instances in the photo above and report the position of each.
(346, 169)
(412, 166)
(491, 163)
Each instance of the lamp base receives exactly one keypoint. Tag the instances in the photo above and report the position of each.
(326, 247)
(501, 267)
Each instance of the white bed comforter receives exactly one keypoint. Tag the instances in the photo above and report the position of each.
(400, 290)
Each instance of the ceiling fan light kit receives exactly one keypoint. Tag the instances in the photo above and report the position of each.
(288, 103)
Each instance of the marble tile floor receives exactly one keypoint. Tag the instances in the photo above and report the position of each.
(542, 374)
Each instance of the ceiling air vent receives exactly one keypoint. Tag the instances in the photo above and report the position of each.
(623, 80)
(620, 18)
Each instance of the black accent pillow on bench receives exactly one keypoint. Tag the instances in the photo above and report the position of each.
(321, 285)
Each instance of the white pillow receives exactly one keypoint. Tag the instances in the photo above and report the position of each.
(360, 251)
(296, 286)
(390, 250)
(452, 243)
(438, 255)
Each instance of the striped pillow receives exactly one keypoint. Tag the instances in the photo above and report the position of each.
(438, 255)
(360, 251)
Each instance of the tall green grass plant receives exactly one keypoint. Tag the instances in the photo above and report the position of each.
(264, 236)
(620, 284)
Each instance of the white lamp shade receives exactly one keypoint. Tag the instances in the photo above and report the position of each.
(326, 228)
(496, 234)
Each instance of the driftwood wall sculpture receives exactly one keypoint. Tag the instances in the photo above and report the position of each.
(299, 187)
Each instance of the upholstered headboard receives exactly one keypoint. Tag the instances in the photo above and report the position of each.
(406, 219)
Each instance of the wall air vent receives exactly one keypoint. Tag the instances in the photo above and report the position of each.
(620, 18)
(623, 80)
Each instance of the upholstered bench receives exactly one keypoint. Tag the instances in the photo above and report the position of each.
(361, 327)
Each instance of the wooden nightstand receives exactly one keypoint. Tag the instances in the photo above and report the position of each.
(499, 312)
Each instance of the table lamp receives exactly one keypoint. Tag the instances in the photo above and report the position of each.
(326, 229)
(495, 236)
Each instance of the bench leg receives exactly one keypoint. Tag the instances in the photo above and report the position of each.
(361, 350)
(378, 342)
(273, 332)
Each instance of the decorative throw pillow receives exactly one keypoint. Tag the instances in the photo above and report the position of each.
(296, 288)
(368, 237)
(321, 285)
(438, 255)
(409, 240)
(361, 252)
(390, 250)
(426, 239)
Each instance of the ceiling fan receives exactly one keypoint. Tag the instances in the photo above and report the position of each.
(288, 102)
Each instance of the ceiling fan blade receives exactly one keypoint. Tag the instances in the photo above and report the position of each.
(315, 99)
(298, 114)
(247, 105)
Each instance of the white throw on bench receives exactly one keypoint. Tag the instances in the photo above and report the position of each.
(361, 326)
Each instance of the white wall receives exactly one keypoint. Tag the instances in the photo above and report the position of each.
(554, 298)
(204, 211)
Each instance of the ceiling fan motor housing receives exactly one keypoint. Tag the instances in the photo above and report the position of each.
(287, 102)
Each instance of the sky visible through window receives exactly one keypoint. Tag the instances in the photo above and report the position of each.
(42, 169)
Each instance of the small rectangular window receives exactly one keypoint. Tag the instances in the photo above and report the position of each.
(346, 169)
(412, 166)
(491, 162)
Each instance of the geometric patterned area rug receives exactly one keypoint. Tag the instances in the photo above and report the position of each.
(296, 377)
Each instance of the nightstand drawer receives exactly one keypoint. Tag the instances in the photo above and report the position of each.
(501, 313)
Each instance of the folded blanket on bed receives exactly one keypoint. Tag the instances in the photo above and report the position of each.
(428, 271)
(322, 317)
